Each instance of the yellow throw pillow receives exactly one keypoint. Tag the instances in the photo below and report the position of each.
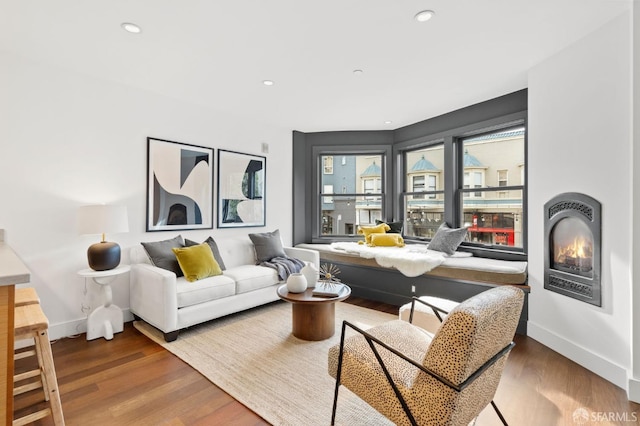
(367, 231)
(386, 240)
(197, 262)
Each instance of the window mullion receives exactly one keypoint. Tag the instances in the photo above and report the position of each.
(452, 176)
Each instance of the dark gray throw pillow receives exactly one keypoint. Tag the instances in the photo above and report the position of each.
(396, 227)
(214, 249)
(267, 245)
(447, 239)
(162, 256)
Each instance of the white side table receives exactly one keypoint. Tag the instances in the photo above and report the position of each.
(107, 319)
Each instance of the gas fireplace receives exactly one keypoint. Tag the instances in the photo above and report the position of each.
(572, 247)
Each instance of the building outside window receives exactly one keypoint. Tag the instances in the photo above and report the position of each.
(359, 202)
(494, 216)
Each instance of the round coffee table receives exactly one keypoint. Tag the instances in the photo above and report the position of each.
(313, 317)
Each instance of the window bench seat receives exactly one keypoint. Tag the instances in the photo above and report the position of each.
(458, 278)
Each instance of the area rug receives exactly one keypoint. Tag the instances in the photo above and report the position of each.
(254, 357)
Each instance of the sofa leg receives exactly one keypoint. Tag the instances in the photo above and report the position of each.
(171, 336)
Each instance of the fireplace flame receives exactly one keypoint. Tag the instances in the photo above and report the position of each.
(577, 252)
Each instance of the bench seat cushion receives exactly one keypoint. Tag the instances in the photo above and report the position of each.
(460, 268)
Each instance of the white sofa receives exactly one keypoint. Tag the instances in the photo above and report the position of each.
(170, 304)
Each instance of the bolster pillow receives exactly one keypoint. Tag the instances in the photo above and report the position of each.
(386, 240)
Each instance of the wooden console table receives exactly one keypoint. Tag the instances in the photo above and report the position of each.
(12, 272)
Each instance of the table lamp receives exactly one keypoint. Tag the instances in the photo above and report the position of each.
(102, 219)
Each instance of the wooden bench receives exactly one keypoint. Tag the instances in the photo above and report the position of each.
(457, 279)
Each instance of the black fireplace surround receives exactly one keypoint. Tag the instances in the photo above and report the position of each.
(572, 229)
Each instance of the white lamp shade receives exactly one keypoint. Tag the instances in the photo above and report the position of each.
(103, 219)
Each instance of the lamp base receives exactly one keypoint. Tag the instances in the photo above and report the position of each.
(103, 256)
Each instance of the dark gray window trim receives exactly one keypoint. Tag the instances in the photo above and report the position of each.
(453, 153)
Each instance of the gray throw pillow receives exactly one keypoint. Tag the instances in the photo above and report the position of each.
(214, 249)
(447, 239)
(267, 245)
(162, 256)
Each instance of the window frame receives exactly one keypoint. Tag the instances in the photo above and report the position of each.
(454, 179)
(381, 183)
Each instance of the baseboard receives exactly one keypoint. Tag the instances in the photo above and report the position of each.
(633, 391)
(582, 356)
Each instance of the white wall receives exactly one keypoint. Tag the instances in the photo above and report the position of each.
(68, 140)
(580, 141)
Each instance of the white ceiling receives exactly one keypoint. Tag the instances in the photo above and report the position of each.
(217, 53)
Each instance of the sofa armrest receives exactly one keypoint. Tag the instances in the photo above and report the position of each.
(153, 296)
(311, 256)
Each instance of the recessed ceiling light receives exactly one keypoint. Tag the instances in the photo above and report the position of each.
(424, 16)
(388, 122)
(267, 82)
(358, 72)
(132, 28)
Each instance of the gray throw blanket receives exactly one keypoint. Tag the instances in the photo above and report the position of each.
(284, 265)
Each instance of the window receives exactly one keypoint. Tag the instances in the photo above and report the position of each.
(424, 196)
(418, 186)
(327, 162)
(371, 186)
(433, 180)
(479, 166)
(492, 214)
(360, 201)
(473, 180)
(327, 189)
(503, 177)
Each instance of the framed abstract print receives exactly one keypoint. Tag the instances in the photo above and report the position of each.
(179, 186)
(241, 189)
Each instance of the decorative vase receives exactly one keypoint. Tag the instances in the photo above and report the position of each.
(310, 272)
(296, 283)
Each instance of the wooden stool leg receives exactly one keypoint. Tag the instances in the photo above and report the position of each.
(50, 376)
(43, 377)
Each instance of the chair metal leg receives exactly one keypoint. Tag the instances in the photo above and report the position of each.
(338, 375)
(335, 404)
(495, 407)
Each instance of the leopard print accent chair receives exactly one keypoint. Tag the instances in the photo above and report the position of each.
(474, 332)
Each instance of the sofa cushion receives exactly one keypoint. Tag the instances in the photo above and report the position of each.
(197, 262)
(162, 255)
(212, 288)
(252, 277)
(214, 248)
(267, 245)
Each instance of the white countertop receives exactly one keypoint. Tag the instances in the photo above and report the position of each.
(12, 270)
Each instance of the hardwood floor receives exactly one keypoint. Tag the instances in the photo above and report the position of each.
(131, 380)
